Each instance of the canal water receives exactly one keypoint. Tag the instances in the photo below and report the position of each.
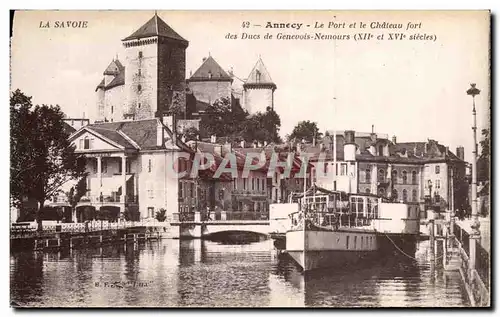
(210, 274)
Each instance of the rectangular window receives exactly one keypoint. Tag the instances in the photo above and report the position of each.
(244, 184)
(437, 169)
(343, 169)
(127, 166)
(253, 183)
(151, 212)
(191, 190)
(140, 54)
(438, 183)
(149, 166)
(112, 109)
(139, 72)
(235, 183)
(347, 242)
(86, 144)
(104, 166)
(181, 189)
(355, 241)
(80, 145)
(263, 184)
(258, 185)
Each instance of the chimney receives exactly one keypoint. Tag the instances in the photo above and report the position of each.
(461, 152)
(242, 143)
(394, 139)
(349, 146)
(228, 147)
(231, 72)
(159, 132)
(213, 139)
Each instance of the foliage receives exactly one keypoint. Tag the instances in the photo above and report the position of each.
(230, 120)
(191, 134)
(76, 193)
(483, 162)
(161, 215)
(41, 158)
(305, 130)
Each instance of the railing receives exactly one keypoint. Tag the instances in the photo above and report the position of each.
(462, 237)
(29, 230)
(220, 216)
(483, 262)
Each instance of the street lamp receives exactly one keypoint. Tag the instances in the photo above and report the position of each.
(473, 91)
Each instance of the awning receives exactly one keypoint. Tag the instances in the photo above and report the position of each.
(108, 184)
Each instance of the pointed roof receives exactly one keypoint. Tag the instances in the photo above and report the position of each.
(260, 76)
(114, 68)
(210, 70)
(155, 27)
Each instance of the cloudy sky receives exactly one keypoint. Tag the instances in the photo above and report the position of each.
(412, 89)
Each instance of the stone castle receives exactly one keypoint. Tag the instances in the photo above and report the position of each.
(151, 80)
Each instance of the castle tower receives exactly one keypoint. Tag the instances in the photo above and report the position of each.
(258, 90)
(155, 70)
(109, 93)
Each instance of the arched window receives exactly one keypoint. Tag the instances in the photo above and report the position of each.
(405, 195)
(405, 177)
(381, 191)
(414, 195)
(394, 176)
(414, 177)
(368, 175)
(395, 194)
(381, 175)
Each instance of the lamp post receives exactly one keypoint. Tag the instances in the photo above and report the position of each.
(475, 235)
(473, 91)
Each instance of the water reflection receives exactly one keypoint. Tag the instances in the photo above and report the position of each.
(212, 274)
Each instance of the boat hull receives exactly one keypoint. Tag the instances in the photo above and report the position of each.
(313, 249)
(311, 260)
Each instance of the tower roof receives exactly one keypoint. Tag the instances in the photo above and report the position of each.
(155, 27)
(210, 70)
(259, 75)
(114, 68)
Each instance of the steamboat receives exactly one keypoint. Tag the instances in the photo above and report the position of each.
(331, 228)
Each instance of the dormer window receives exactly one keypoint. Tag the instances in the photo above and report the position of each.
(86, 143)
(257, 76)
(381, 150)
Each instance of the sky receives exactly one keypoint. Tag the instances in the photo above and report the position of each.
(414, 90)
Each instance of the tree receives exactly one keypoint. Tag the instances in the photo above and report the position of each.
(306, 130)
(191, 134)
(41, 158)
(161, 215)
(483, 162)
(262, 127)
(76, 193)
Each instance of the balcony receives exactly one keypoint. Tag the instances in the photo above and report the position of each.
(101, 199)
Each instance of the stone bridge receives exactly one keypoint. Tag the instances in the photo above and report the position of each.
(196, 228)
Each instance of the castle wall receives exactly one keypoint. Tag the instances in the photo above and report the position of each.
(171, 73)
(141, 80)
(258, 99)
(210, 91)
(114, 102)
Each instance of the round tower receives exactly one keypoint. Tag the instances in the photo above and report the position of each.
(258, 89)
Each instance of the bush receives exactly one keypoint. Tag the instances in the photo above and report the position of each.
(161, 215)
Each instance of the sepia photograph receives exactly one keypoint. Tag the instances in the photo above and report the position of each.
(222, 159)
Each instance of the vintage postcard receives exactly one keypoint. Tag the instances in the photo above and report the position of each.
(250, 159)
